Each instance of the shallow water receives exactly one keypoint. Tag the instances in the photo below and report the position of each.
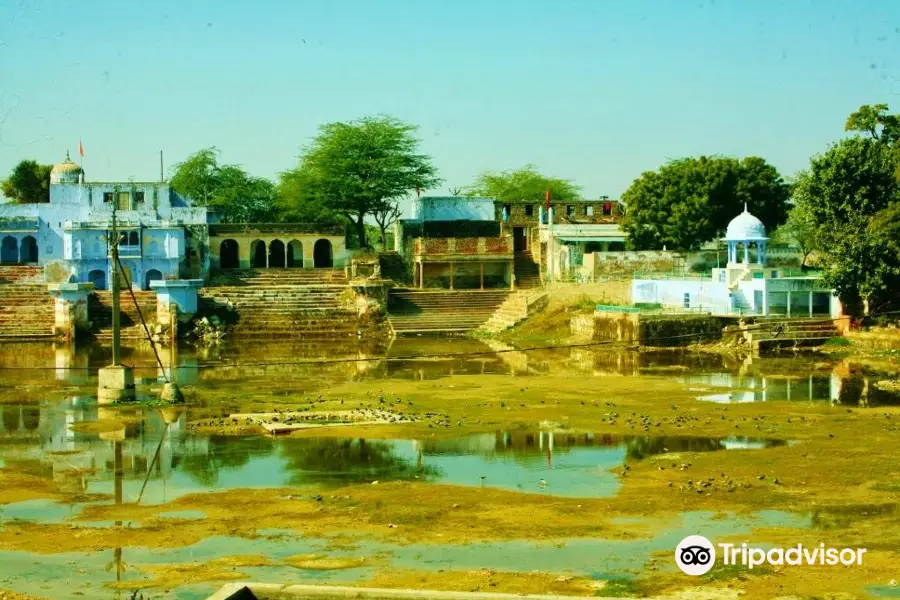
(77, 575)
(161, 461)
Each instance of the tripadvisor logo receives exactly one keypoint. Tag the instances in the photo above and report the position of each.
(696, 555)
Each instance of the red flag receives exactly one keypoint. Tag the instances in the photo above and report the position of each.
(80, 149)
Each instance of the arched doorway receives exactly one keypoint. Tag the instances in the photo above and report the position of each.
(152, 275)
(295, 254)
(322, 257)
(28, 253)
(9, 250)
(258, 254)
(276, 254)
(11, 418)
(31, 417)
(98, 278)
(229, 254)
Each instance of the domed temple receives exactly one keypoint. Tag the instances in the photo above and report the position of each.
(746, 285)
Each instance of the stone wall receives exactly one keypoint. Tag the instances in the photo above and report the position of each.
(648, 330)
(599, 264)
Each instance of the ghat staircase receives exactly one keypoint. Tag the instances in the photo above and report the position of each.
(772, 333)
(26, 308)
(298, 303)
(441, 312)
(528, 273)
(100, 313)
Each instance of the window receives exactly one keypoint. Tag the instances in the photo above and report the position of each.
(607, 209)
(107, 197)
(133, 238)
(570, 210)
(687, 300)
(123, 202)
(529, 210)
(139, 197)
(589, 210)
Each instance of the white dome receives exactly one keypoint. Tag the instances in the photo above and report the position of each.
(745, 227)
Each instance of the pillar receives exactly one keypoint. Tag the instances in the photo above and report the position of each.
(421, 275)
(176, 297)
(70, 307)
(789, 306)
(452, 273)
(512, 276)
(810, 304)
(268, 249)
(746, 253)
(481, 268)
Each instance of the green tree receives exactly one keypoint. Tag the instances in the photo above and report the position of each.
(28, 183)
(241, 197)
(355, 168)
(690, 201)
(850, 193)
(875, 120)
(522, 184)
(799, 230)
(296, 202)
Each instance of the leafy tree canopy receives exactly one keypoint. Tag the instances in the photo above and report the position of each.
(358, 168)
(522, 184)
(875, 120)
(851, 194)
(28, 183)
(799, 230)
(241, 197)
(690, 201)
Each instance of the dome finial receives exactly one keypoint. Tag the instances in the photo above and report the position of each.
(67, 155)
(745, 207)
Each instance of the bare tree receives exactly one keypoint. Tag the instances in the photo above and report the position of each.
(386, 214)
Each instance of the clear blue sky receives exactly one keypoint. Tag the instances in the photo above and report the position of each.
(593, 90)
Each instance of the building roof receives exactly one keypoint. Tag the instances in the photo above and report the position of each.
(745, 227)
(221, 229)
(66, 166)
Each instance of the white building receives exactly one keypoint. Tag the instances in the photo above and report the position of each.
(745, 285)
(68, 235)
(567, 240)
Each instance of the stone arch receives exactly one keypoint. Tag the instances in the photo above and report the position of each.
(9, 250)
(28, 252)
(277, 256)
(229, 254)
(31, 417)
(295, 254)
(258, 254)
(322, 256)
(11, 418)
(152, 275)
(98, 278)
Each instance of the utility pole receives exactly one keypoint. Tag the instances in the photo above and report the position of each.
(115, 383)
(114, 276)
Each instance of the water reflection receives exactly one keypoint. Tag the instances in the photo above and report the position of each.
(305, 366)
(149, 456)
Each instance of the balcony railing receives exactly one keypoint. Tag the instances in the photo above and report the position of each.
(475, 246)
